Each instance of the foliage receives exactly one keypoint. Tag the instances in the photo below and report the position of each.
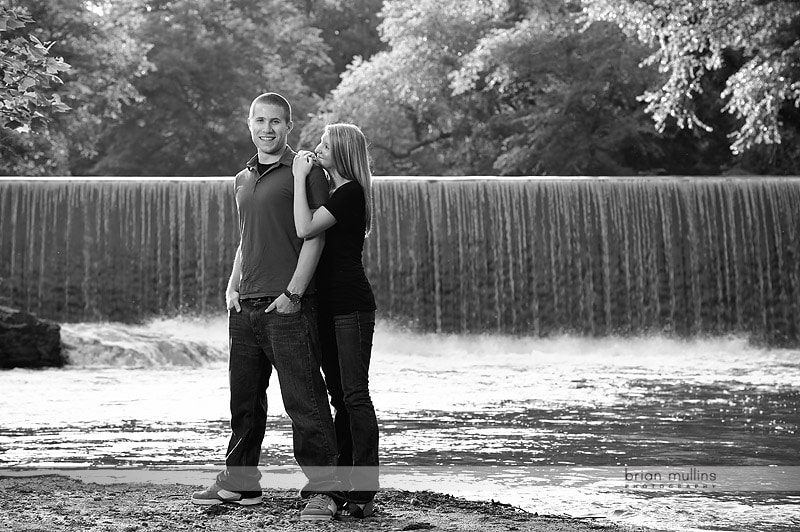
(96, 39)
(38, 152)
(401, 96)
(211, 58)
(488, 87)
(349, 28)
(693, 39)
(566, 99)
(538, 87)
(28, 72)
(450, 87)
(30, 76)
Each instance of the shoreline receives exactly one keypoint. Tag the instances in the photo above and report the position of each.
(49, 501)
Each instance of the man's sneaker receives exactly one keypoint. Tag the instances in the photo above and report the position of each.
(320, 507)
(217, 495)
(354, 510)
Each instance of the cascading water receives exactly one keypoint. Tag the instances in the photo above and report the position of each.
(115, 249)
(591, 256)
(594, 256)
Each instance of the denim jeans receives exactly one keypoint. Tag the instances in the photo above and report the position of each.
(346, 349)
(290, 344)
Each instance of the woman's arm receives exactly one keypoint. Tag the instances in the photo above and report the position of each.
(307, 224)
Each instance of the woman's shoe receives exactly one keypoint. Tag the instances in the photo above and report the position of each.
(354, 510)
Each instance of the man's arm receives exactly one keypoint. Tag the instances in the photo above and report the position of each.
(303, 273)
(232, 292)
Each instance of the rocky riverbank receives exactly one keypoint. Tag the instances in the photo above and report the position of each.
(55, 503)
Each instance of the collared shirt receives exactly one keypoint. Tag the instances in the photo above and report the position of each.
(270, 246)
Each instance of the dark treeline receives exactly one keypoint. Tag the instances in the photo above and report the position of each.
(441, 87)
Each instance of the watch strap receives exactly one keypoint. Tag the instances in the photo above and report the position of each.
(294, 298)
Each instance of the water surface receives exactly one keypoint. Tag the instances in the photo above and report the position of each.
(540, 423)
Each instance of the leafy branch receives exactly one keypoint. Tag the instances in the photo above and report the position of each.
(28, 73)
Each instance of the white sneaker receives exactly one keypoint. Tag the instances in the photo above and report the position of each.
(320, 507)
(216, 495)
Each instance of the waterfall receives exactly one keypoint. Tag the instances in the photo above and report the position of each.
(596, 256)
(119, 250)
(539, 256)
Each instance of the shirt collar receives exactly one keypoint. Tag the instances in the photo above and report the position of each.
(286, 159)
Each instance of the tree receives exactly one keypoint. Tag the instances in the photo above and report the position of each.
(350, 29)
(211, 58)
(29, 73)
(96, 40)
(515, 88)
(756, 39)
(564, 98)
(28, 99)
(401, 96)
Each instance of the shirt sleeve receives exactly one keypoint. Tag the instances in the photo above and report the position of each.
(316, 188)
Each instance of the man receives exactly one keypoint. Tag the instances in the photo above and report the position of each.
(272, 323)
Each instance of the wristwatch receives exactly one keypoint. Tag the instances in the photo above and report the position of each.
(294, 298)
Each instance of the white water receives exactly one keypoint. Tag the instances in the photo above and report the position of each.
(528, 421)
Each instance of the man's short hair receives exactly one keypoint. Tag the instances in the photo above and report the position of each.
(273, 98)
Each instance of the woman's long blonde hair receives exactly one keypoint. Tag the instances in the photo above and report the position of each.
(351, 159)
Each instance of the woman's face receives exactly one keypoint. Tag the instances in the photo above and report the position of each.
(323, 151)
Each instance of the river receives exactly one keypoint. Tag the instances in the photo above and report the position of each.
(672, 434)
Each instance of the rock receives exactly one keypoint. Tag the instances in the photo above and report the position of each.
(29, 342)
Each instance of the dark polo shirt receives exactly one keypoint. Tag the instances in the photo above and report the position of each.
(270, 246)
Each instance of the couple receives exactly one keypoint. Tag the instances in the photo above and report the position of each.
(293, 222)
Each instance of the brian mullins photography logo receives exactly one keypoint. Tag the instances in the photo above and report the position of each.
(692, 478)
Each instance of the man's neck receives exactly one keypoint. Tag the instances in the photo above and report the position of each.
(270, 158)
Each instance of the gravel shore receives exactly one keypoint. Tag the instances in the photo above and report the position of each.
(57, 503)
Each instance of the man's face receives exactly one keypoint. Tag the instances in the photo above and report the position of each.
(269, 128)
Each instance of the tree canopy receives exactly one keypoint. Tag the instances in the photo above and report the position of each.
(28, 72)
(757, 41)
(28, 101)
(210, 59)
(104, 57)
(536, 87)
(445, 87)
(498, 88)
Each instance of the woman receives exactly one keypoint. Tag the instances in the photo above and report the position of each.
(346, 302)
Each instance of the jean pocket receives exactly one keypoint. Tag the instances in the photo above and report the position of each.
(288, 314)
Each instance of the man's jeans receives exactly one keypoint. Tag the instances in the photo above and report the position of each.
(290, 344)
(346, 349)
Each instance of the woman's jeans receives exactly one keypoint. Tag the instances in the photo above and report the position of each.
(346, 349)
(290, 344)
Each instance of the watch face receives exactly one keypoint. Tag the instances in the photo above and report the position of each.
(294, 298)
